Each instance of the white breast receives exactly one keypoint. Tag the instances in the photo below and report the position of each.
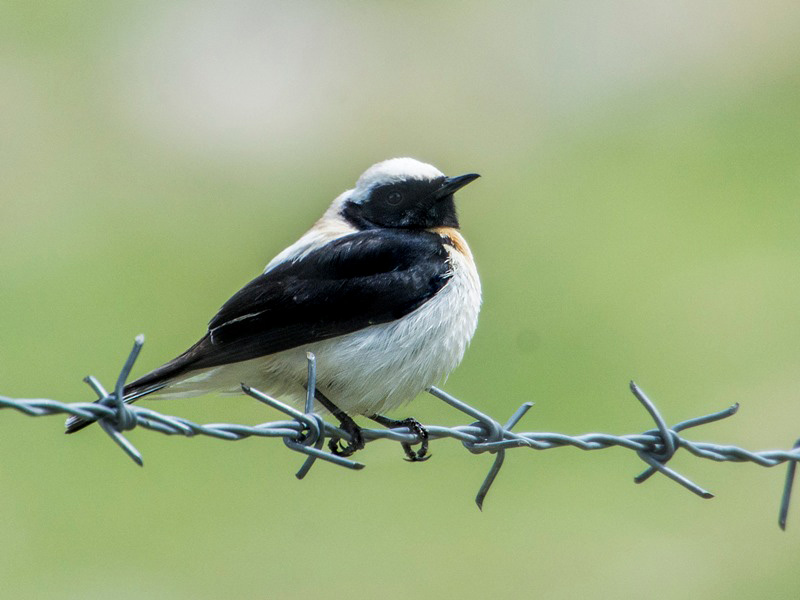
(383, 366)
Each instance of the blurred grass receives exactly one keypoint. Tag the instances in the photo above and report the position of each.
(637, 218)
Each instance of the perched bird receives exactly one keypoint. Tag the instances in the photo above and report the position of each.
(382, 289)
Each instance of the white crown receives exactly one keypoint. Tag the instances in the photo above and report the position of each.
(396, 169)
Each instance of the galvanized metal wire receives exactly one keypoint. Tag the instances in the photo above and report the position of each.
(306, 432)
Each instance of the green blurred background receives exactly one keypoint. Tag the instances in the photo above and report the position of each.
(637, 218)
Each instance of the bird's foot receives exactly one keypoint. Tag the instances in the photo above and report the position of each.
(338, 447)
(416, 428)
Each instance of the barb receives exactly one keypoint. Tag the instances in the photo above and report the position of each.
(305, 432)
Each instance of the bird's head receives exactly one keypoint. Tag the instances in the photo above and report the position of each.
(403, 193)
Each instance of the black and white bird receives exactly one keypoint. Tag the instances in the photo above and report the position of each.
(383, 290)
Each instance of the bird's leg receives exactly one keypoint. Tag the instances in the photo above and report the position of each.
(416, 428)
(347, 423)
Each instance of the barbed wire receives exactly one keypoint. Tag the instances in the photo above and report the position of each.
(306, 432)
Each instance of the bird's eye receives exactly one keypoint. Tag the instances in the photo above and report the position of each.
(394, 198)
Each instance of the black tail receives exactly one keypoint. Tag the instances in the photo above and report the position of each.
(74, 423)
(147, 384)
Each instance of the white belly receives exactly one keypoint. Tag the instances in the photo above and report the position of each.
(372, 370)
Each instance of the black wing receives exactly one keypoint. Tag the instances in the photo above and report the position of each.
(358, 280)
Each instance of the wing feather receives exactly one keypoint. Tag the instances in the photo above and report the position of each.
(359, 280)
(355, 281)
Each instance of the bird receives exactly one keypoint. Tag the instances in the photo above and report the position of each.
(382, 289)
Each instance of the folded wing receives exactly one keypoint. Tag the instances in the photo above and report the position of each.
(359, 280)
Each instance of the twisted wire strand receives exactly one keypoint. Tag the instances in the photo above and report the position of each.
(306, 432)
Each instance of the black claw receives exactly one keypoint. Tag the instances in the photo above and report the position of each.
(337, 447)
(412, 456)
(416, 428)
